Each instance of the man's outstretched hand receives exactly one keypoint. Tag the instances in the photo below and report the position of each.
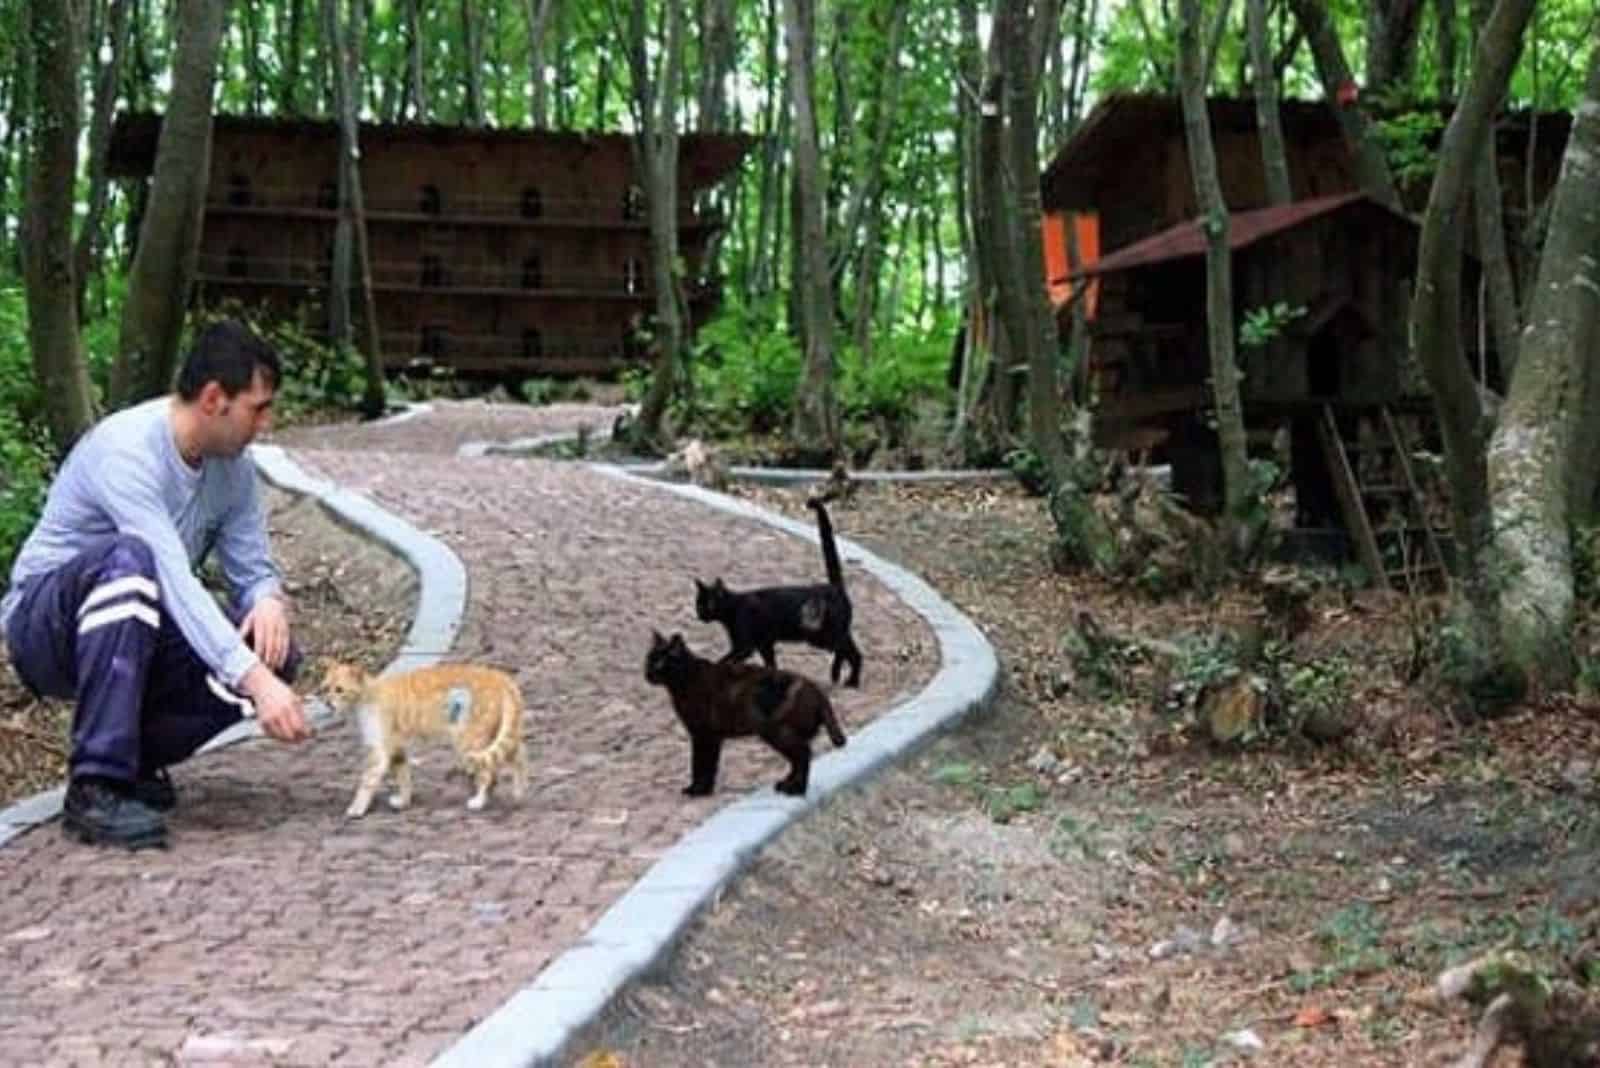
(266, 630)
(278, 708)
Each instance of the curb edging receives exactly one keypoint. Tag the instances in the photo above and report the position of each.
(537, 1024)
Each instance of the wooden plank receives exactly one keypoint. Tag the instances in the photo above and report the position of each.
(1430, 539)
(1348, 490)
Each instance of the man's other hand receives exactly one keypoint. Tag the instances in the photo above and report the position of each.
(266, 629)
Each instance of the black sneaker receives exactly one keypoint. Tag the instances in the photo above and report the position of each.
(105, 812)
(155, 789)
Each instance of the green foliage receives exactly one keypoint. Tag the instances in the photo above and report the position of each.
(906, 366)
(25, 471)
(1409, 141)
(746, 368)
(25, 452)
(1264, 324)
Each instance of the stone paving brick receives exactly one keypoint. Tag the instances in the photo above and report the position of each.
(273, 918)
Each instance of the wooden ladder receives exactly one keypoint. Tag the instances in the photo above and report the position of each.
(1403, 489)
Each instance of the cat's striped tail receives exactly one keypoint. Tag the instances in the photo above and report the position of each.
(506, 740)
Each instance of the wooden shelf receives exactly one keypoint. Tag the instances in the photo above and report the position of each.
(420, 218)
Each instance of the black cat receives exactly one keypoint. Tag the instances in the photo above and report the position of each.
(717, 700)
(818, 615)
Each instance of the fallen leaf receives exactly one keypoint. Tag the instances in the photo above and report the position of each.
(1312, 1016)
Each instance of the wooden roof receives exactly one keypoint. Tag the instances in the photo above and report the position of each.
(1098, 147)
(704, 158)
(1245, 228)
(1123, 119)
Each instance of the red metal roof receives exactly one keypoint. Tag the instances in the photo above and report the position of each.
(1244, 228)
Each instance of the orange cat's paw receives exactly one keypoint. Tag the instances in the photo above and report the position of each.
(355, 811)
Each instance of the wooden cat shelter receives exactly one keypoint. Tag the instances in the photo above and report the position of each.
(496, 252)
(1338, 376)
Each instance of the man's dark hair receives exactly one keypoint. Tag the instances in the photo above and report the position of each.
(227, 353)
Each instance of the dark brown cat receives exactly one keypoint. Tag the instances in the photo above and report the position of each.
(720, 700)
(818, 614)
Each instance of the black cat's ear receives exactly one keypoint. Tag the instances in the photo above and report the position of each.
(718, 586)
(677, 642)
(656, 640)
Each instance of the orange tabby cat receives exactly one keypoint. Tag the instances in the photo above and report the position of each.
(477, 708)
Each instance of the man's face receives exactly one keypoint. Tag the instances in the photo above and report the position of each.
(235, 421)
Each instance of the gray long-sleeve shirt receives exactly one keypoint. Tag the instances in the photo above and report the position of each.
(126, 476)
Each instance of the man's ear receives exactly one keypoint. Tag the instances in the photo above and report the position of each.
(211, 398)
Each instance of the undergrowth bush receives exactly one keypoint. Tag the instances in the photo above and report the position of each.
(745, 369)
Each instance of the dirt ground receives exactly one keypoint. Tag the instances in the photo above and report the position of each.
(1068, 880)
(323, 563)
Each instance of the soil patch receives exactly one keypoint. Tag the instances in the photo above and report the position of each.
(1069, 880)
(353, 600)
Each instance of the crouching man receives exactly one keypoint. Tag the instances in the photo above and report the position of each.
(104, 605)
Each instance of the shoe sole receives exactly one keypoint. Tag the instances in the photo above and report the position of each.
(88, 835)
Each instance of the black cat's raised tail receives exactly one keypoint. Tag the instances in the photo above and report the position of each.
(830, 550)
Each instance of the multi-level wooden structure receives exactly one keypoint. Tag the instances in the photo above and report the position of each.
(503, 253)
(1337, 375)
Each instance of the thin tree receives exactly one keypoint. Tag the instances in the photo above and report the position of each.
(169, 237)
(1499, 282)
(414, 46)
(54, 33)
(816, 418)
(350, 232)
(654, 101)
(1219, 276)
(1030, 321)
(1339, 86)
(108, 76)
(472, 35)
(1274, 160)
(539, 13)
(1436, 316)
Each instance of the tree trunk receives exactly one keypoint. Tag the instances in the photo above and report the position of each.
(1444, 36)
(339, 316)
(1034, 322)
(718, 55)
(1533, 452)
(1436, 314)
(816, 419)
(886, 108)
(472, 35)
(107, 78)
(414, 47)
(1504, 308)
(1274, 160)
(169, 239)
(1219, 276)
(1372, 169)
(289, 51)
(995, 237)
(352, 227)
(1392, 27)
(539, 12)
(655, 105)
(47, 223)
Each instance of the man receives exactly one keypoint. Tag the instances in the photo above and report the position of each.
(105, 607)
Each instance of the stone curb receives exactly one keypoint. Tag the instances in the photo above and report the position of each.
(441, 604)
(769, 476)
(538, 1023)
